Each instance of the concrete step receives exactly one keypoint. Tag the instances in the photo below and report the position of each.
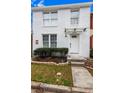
(75, 60)
(77, 63)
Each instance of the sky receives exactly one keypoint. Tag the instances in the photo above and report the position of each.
(58, 2)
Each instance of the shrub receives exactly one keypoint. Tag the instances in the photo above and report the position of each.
(51, 52)
(42, 52)
(91, 53)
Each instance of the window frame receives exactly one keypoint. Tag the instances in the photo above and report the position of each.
(50, 18)
(49, 42)
(76, 22)
(54, 41)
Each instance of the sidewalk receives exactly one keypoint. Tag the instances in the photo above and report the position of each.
(81, 78)
(39, 87)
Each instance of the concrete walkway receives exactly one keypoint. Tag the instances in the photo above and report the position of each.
(81, 78)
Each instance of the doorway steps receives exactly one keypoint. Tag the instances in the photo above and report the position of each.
(76, 60)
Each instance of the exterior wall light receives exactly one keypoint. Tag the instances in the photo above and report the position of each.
(74, 29)
(65, 33)
(85, 29)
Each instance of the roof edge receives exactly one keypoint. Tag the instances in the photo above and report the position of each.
(62, 6)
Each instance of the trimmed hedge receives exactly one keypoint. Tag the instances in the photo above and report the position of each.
(51, 52)
(91, 53)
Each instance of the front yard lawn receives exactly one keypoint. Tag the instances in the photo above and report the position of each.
(47, 73)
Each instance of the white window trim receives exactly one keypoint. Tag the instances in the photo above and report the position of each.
(50, 19)
(43, 40)
(49, 38)
(53, 40)
(49, 41)
(75, 17)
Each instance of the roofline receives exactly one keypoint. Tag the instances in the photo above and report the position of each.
(64, 6)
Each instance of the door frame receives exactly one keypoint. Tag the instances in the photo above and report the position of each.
(70, 44)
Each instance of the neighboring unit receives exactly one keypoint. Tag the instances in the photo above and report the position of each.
(63, 26)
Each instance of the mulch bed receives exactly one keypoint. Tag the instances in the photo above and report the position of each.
(49, 59)
(89, 65)
(88, 62)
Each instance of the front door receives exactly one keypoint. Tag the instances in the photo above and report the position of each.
(74, 44)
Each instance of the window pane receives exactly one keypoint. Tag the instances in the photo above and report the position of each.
(54, 15)
(75, 14)
(74, 20)
(53, 44)
(45, 38)
(53, 39)
(50, 18)
(46, 41)
(46, 22)
(46, 44)
(54, 18)
(46, 16)
(74, 17)
(54, 22)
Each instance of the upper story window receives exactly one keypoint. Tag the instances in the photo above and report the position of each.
(50, 18)
(74, 17)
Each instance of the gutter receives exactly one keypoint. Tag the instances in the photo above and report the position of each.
(64, 6)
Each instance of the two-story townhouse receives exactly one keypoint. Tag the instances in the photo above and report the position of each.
(63, 26)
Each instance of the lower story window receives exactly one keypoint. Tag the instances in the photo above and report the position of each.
(46, 41)
(53, 39)
(50, 40)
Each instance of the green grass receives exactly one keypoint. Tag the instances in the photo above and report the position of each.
(46, 73)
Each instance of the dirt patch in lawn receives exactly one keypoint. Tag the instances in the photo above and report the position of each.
(47, 73)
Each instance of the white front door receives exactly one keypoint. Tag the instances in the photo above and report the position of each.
(74, 44)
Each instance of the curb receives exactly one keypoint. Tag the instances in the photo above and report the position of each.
(38, 62)
(59, 88)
